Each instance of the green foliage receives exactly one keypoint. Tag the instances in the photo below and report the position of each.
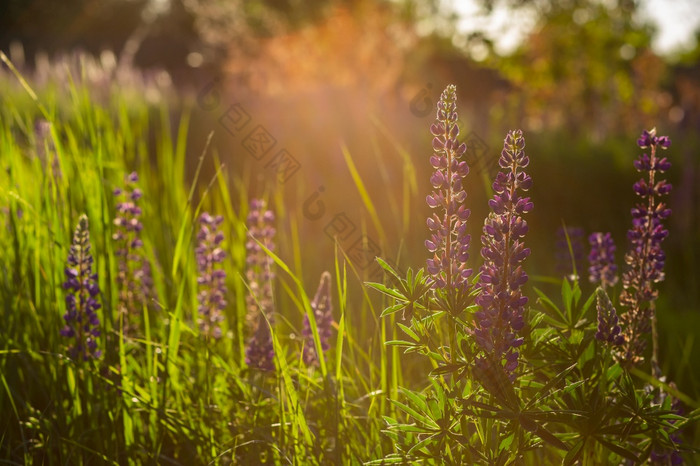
(570, 403)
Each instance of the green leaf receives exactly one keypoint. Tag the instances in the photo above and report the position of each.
(415, 414)
(551, 309)
(408, 331)
(399, 343)
(544, 392)
(387, 291)
(614, 371)
(383, 264)
(625, 453)
(419, 401)
(445, 369)
(421, 444)
(392, 309)
(566, 296)
(573, 455)
(549, 437)
(506, 442)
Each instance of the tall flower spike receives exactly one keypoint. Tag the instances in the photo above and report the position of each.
(133, 270)
(645, 258)
(82, 323)
(608, 328)
(260, 274)
(602, 268)
(502, 303)
(323, 313)
(212, 278)
(449, 241)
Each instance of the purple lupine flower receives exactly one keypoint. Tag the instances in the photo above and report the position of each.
(260, 274)
(645, 258)
(608, 328)
(133, 270)
(211, 280)
(323, 313)
(260, 352)
(502, 303)
(449, 241)
(82, 323)
(602, 270)
(564, 256)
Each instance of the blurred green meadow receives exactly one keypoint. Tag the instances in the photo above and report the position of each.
(341, 158)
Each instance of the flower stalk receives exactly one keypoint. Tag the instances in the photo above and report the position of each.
(645, 258)
(501, 301)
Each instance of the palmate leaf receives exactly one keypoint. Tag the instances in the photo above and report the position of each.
(409, 292)
(545, 391)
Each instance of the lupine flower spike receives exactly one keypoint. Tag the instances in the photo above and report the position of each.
(212, 278)
(323, 313)
(645, 258)
(602, 270)
(502, 303)
(260, 274)
(133, 270)
(82, 323)
(608, 328)
(449, 241)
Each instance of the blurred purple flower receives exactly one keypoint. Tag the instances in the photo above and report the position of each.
(323, 314)
(608, 328)
(260, 274)
(602, 270)
(449, 241)
(645, 258)
(211, 280)
(260, 352)
(502, 303)
(565, 266)
(133, 270)
(82, 323)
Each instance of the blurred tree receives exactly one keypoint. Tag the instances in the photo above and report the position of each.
(587, 63)
(52, 26)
